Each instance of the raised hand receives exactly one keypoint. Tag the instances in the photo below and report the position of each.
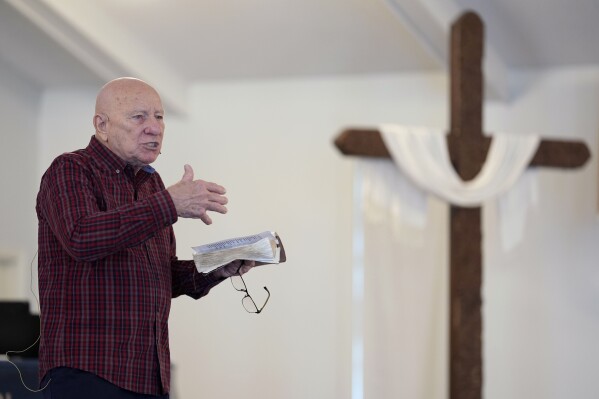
(194, 198)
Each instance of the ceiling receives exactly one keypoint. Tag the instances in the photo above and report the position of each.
(172, 43)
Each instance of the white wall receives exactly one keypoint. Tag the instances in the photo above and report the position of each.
(65, 122)
(19, 111)
(542, 317)
(270, 144)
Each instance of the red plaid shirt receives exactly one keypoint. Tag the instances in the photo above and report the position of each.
(108, 270)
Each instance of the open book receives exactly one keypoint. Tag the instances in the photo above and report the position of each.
(263, 248)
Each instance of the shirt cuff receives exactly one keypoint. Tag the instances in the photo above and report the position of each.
(163, 207)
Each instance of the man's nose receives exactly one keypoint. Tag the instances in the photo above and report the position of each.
(154, 126)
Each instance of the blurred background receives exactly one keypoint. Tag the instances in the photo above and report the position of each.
(255, 93)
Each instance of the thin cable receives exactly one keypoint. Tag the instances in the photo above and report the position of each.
(38, 337)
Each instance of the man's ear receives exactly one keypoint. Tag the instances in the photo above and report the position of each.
(100, 125)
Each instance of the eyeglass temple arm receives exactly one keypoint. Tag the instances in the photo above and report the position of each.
(265, 302)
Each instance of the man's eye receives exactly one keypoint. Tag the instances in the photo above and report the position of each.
(159, 117)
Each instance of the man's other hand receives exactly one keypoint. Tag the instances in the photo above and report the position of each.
(194, 198)
(231, 269)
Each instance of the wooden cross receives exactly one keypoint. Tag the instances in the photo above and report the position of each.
(468, 149)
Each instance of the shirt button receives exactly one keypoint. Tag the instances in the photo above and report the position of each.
(117, 171)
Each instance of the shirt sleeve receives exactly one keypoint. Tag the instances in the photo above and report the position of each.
(186, 280)
(70, 204)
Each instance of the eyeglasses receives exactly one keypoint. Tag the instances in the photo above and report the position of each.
(247, 301)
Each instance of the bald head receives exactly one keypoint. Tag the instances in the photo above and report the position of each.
(129, 120)
(118, 92)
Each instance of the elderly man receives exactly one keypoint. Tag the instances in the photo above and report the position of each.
(107, 263)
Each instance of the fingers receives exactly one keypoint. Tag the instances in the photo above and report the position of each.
(205, 218)
(212, 187)
(217, 199)
(241, 266)
(216, 208)
(234, 268)
(246, 266)
(215, 188)
(188, 173)
(215, 203)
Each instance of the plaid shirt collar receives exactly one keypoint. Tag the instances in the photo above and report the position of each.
(111, 162)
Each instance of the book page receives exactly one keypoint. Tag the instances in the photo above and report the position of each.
(233, 242)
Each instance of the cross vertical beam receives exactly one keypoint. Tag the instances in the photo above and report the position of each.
(466, 95)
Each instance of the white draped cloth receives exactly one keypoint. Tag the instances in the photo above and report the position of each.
(404, 257)
(422, 156)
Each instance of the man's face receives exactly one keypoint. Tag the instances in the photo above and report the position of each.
(135, 125)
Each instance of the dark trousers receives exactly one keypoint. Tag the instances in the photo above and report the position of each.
(69, 383)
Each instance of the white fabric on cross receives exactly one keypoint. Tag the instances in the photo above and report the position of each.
(422, 155)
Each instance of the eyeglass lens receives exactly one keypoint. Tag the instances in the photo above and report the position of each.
(247, 301)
